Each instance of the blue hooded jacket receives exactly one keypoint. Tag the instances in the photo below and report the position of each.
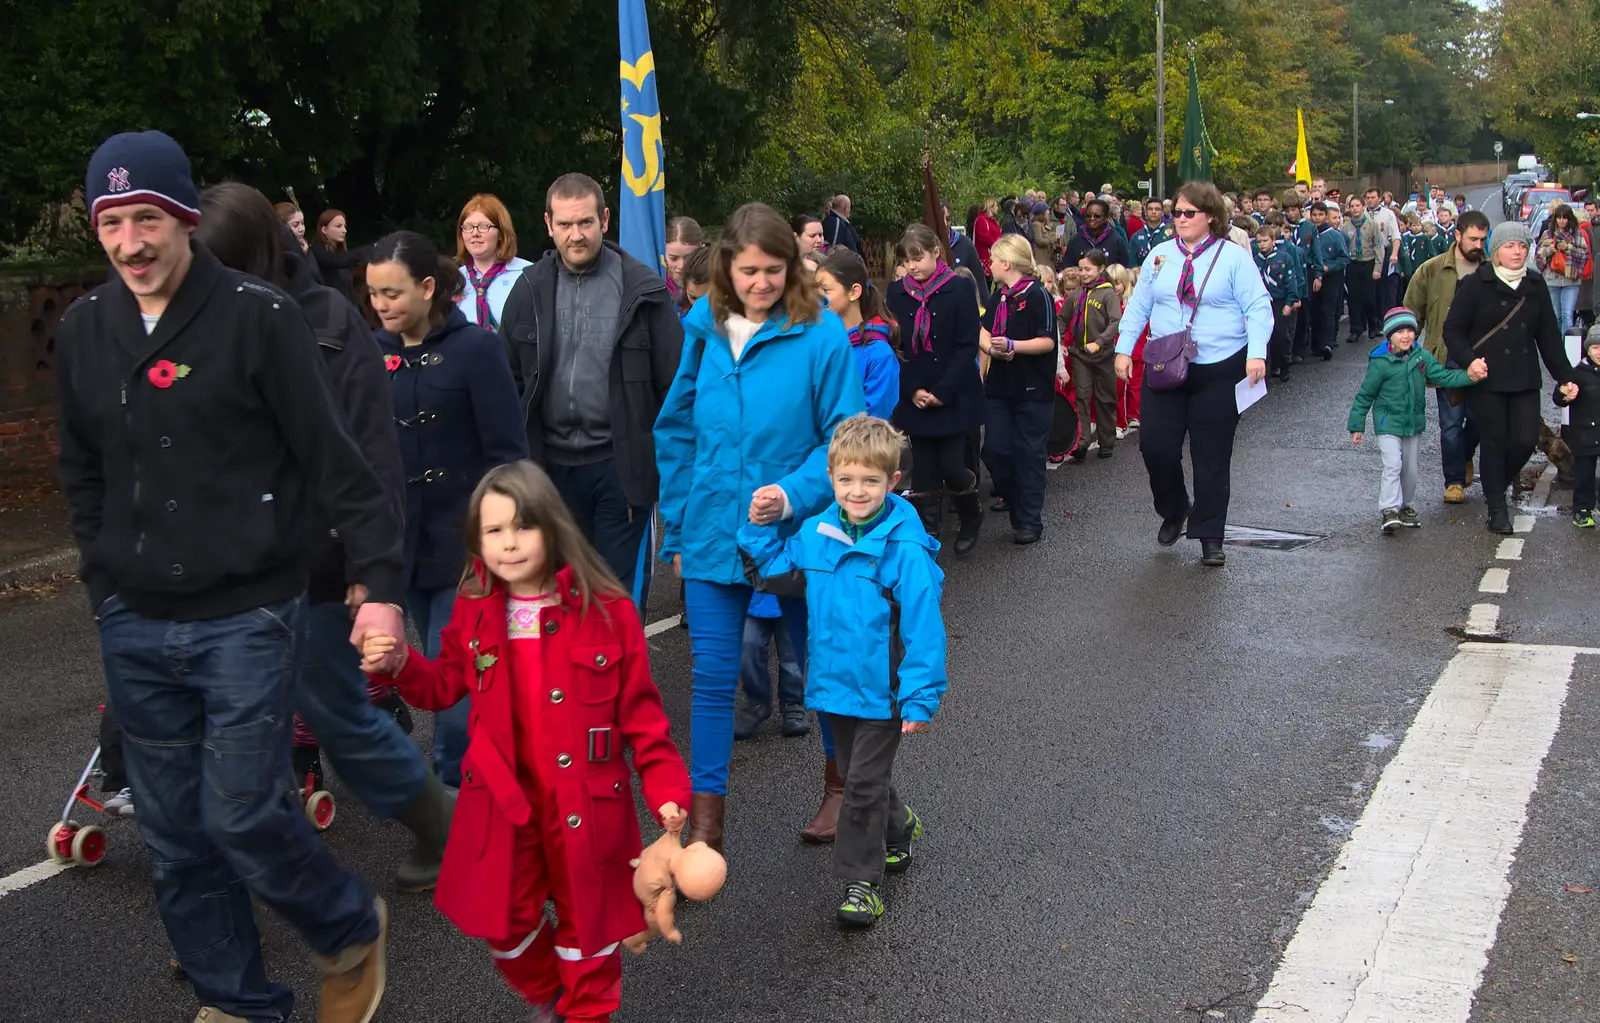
(877, 646)
(729, 428)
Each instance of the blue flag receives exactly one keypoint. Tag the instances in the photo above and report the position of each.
(641, 207)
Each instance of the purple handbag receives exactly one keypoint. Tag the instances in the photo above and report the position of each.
(1167, 358)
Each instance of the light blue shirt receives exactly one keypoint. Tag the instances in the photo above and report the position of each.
(1235, 310)
(499, 291)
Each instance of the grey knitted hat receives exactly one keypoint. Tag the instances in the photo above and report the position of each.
(1508, 232)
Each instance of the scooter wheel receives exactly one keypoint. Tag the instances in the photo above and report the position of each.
(59, 842)
(320, 809)
(89, 846)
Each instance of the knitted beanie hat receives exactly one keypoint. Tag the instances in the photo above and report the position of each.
(1397, 318)
(141, 167)
(1508, 231)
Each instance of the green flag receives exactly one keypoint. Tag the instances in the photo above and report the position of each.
(1194, 161)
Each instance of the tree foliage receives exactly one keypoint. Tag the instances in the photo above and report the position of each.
(1545, 70)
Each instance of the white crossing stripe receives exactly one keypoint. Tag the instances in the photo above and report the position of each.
(30, 876)
(1482, 619)
(1401, 928)
(669, 622)
(1510, 549)
(1495, 580)
(1522, 523)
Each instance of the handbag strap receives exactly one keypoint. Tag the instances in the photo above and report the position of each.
(1496, 328)
(1203, 282)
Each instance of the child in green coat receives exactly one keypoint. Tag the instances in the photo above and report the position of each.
(1395, 392)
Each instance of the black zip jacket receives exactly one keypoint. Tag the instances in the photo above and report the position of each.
(190, 457)
(361, 390)
(649, 346)
(1582, 434)
(1513, 354)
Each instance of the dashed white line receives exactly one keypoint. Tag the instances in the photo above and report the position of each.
(1402, 927)
(1510, 549)
(1522, 523)
(1541, 489)
(30, 876)
(1495, 580)
(1482, 619)
(669, 622)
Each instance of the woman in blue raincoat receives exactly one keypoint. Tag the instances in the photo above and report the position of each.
(766, 375)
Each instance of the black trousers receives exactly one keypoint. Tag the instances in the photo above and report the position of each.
(1508, 431)
(111, 762)
(1063, 427)
(1325, 310)
(1302, 326)
(873, 817)
(940, 463)
(594, 495)
(1203, 409)
(1365, 317)
(1014, 446)
(1280, 346)
(1583, 482)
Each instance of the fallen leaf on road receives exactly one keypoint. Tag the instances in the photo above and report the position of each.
(1568, 957)
(1576, 889)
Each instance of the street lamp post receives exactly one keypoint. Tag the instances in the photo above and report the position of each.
(1161, 101)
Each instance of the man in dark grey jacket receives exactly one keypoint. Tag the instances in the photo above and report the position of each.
(594, 341)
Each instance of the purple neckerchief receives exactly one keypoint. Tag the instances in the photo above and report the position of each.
(922, 291)
(1002, 309)
(480, 287)
(1186, 295)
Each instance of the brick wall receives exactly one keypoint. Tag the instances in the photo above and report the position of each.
(31, 303)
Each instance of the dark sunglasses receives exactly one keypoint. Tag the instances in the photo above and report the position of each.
(1185, 214)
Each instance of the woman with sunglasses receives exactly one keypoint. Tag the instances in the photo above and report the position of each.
(1195, 281)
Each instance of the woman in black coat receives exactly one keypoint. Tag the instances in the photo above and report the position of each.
(941, 394)
(333, 257)
(1505, 406)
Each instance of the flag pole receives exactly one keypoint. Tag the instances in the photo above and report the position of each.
(1161, 101)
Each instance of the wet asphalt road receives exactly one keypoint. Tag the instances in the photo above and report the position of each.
(1139, 776)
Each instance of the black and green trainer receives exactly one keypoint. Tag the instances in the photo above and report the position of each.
(861, 906)
(898, 858)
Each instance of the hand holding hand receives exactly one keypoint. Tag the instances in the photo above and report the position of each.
(1124, 367)
(1256, 370)
(1569, 391)
(766, 504)
(673, 817)
(1478, 367)
(382, 654)
(385, 620)
(1355, 437)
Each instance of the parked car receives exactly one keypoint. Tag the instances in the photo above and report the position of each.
(1511, 190)
(1540, 196)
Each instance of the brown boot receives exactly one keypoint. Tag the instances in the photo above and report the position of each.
(822, 827)
(705, 820)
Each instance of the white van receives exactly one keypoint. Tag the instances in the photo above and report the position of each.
(1527, 162)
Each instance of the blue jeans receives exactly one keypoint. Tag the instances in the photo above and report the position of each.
(1565, 298)
(207, 708)
(716, 614)
(759, 635)
(430, 613)
(619, 531)
(1458, 439)
(366, 746)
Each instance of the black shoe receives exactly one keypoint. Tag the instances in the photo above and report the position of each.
(1374, 335)
(969, 512)
(795, 722)
(1326, 351)
(1298, 359)
(1079, 453)
(1352, 339)
(1105, 452)
(749, 720)
(1026, 535)
(1500, 521)
(1211, 553)
(1171, 529)
(1283, 377)
(999, 505)
(930, 509)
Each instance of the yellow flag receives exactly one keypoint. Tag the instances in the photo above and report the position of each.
(1300, 170)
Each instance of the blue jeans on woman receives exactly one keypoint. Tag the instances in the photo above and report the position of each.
(716, 614)
(430, 613)
(759, 635)
(206, 709)
(1565, 299)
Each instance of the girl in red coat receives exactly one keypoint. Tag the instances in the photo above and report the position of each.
(545, 640)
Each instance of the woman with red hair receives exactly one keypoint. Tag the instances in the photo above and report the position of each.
(486, 249)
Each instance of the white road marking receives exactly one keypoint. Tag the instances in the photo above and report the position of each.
(30, 876)
(1541, 489)
(669, 622)
(1522, 523)
(1483, 619)
(1510, 549)
(1495, 580)
(1401, 928)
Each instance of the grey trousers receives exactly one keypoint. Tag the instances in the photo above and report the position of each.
(1399, 487)
(873, 817)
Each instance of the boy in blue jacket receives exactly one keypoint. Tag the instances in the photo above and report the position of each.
(876, 659)
(1278, 274)
(1332, 255)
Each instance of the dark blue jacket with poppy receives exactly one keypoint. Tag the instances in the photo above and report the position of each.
(458, 416)
(948, 368)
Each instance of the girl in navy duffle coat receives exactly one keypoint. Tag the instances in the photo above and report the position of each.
(458, 416)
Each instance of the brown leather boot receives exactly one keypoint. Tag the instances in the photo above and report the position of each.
(822, 827)
(705, 820)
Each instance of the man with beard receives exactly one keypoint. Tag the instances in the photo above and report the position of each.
(1098, 232)
(1432, 287)
(594, 339)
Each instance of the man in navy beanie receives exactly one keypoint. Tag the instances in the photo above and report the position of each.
(198, 430)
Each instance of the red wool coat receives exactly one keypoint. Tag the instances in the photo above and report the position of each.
(595, 696)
